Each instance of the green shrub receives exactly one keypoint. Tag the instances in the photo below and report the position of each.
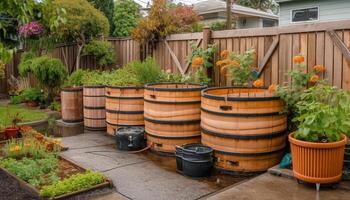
(121, 77)
(102, 51)
(50, 72)
(76, 78)
(126, 15)
(32, 94)
(147, 71)
(55, 106)
(16, 99)
(74, 183)
(25, 65)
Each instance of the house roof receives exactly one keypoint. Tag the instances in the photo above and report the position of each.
(213, 6)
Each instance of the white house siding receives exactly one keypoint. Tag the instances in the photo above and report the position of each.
(329, 10)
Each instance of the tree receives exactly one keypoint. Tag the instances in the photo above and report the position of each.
(83, 23)
(105, 6)
(126, 15)
(184, 18)
(264, 5)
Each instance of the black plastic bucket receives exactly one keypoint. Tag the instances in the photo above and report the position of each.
(130, 138)
(194, 160)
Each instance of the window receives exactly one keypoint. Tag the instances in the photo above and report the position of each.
(304, 15)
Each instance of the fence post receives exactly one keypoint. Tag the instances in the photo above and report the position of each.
(206, 41)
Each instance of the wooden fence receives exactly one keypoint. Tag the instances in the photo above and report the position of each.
(325, 43)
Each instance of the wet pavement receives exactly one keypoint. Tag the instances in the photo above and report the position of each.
(140, 176)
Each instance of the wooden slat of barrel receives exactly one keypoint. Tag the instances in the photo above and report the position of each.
(124, 107)
(245, 127)
(72, 104)
(172, 115)
(94, 107)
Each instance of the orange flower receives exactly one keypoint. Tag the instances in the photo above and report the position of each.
(219, 63)
(319, 68)
(314, 78)
(234, 62)
(298, 59)
(272, 88)
(258, 83)
(224, 54)
(197, 61)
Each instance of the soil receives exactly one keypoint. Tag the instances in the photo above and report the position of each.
(66, 169)
(10, 189)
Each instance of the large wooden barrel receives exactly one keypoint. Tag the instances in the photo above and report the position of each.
(72, 104)
(94, 108)
(124, 107)
(244, 126)
(172, 115)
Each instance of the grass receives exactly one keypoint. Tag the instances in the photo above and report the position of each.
(26, 114)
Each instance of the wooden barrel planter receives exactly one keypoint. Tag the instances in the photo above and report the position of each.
(172, 115)
(72, 104)
(94, 108)
(124, 107)
(245, 128)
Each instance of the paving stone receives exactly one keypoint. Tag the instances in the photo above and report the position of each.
(270, 187)
(148, 181)
(88, 139)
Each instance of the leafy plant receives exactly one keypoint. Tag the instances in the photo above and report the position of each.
(92, 78)
(102, 51)
(50, 72)
(126, 15)
(32, 94)
(25, 65)
(322, 114)
(76, 78)
(14, 118)
(147, 71)
(74, 183)
(55, 106)
(105, 6)
(291, 92)
(16, 99)
(239, 66)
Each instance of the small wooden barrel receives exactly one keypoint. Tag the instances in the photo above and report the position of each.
(124, 107)
(172, 115)
(244, 126)
(94, 107)
(72, 104)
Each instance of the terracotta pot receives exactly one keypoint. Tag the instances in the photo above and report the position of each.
(2, 135)
(11, 132)
(32, 104)
(317, 162)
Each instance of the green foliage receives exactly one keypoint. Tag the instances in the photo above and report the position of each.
(218, 26)
(50, 72)
(121, 77)
(93, 78)
(74, 183)
(126, 15)
(76, 78)
(242, 72)
(55, 106)
(16, 99)
(32, 94)
(264, 5)
(83, 21)
(102, 51)
(322, 114)
(147, 71)
(26, 66)
(177, 77)
(33, 171)
(105, 6)
(206, 54)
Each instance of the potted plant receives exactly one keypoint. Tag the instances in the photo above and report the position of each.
(11, 132)
(322, 116)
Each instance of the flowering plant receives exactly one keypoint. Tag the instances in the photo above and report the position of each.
(292, 92)
(238, 66)
(31, 29)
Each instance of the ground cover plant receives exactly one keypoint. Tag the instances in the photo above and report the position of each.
(35, 159)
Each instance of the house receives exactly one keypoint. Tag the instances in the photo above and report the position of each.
(215, 11)
(308, 11)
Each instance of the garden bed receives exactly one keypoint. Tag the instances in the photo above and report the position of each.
(66, 169)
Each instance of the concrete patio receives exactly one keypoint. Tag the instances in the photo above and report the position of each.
(149, 176)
